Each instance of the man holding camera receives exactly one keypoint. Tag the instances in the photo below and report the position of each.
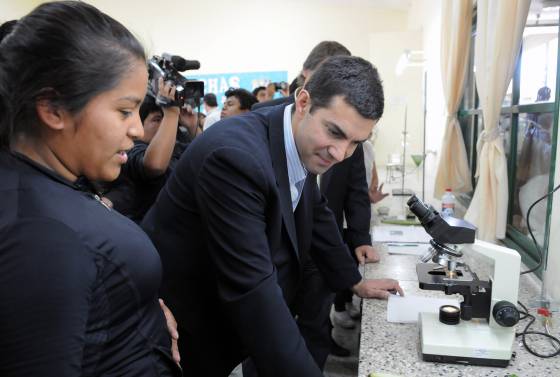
(242, 214)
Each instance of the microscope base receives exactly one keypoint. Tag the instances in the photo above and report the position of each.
(470, 342)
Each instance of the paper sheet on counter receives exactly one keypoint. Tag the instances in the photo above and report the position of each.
(405, 309)
(400, 233)
(408, 249)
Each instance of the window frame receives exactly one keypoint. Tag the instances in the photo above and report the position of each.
(514, 238)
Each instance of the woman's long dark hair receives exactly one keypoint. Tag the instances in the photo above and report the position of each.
(66, 52)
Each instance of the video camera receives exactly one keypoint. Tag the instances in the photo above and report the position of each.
(168, 66)
(283, 85)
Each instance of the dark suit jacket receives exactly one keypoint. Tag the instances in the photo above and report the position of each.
(274, 102)
(233, 250)
(345, 187)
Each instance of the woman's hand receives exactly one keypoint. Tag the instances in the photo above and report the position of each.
(172, 328)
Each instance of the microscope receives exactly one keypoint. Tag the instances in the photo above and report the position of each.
(481, 331)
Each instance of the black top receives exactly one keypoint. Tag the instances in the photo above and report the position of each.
(134, 192)
(78, 282)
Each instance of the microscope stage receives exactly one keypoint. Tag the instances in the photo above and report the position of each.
(469, 342)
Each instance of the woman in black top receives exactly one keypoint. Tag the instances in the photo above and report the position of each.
(78, 282)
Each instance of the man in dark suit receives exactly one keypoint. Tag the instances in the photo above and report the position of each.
(242, 214)
(345, 188)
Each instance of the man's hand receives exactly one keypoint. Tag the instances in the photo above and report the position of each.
(376, 193)
(377, 288)
(367, 254)
(172, 328)
(166, 95)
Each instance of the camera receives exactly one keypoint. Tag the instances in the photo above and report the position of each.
(168, 66)
(280, 85)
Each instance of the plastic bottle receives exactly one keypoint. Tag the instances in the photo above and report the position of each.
(448, 203)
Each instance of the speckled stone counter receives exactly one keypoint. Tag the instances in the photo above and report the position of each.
(392, 348)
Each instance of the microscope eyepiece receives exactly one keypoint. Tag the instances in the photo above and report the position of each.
(424, 213)
(444, 230)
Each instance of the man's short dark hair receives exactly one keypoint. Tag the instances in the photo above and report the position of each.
(149, 106)
(245, 97)
(258, 89)
(353, 78)
(6, 28)
(210, 100)
(322, 51)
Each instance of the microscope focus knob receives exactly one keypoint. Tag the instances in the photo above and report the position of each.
(505, 313)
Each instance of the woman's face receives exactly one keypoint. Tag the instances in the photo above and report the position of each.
(95, 143)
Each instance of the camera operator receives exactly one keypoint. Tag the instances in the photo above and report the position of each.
(152, 157)
(190, 124)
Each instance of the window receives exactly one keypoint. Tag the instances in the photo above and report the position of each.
(527, 122)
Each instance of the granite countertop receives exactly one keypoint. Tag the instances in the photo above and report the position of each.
(392, 348)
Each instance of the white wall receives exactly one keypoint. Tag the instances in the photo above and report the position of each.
(423, 33)
(401, 92)
(429, 14)
(252, 35)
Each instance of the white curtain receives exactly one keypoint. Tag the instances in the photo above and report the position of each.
(499, 33)
(453, 168)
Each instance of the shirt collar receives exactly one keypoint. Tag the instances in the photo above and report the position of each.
(81, 184)
(296, 170)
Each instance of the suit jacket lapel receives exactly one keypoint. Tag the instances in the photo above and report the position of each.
(280, 164)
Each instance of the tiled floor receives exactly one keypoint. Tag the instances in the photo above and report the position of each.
(345, 366)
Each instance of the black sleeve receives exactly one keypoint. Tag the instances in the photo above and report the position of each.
(232, 195)
(134, 167)
(45, 287)
(330, 254)
(357, 208)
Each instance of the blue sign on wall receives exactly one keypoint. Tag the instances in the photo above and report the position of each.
(219, 83)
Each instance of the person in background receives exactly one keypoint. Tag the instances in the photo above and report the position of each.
(201, 119)
(271, 91)
(345, 188)
(79, 282)
(190, 124)
(211, 109)
(238, 101)
(260, 94)
(375, 190)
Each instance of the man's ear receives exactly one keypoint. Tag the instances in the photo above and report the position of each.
(50, 115)
(303, 100)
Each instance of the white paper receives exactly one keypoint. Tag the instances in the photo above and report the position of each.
(400, 233)
(408, 249)
(406, 309)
